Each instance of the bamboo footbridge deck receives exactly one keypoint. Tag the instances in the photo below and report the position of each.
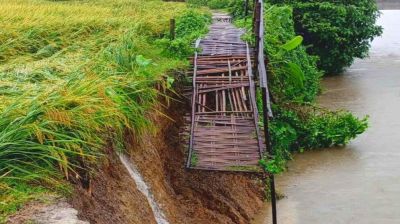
(224, 132)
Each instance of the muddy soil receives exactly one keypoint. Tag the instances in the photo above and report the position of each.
(185, 196)
(49, 210)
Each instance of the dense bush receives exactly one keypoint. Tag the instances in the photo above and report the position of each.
(337, 31)
(192, 23)
(315, 127)
(299, 128)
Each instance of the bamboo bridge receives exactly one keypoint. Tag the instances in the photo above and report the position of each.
(224, 130)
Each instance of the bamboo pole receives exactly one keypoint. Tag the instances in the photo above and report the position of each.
(259, 28)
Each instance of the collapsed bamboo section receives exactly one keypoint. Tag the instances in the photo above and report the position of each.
(224, 132)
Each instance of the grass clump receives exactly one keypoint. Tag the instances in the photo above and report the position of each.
(194, 160)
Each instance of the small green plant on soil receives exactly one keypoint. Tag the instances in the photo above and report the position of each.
(194, 160)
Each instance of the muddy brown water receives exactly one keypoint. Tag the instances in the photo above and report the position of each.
(360, 183)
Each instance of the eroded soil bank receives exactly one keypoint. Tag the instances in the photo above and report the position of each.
(185, 196)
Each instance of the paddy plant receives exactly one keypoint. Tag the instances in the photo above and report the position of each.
(75, 77)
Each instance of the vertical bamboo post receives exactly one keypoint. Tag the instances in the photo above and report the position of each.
(267, 135)
(271, 152)
(172, 29)
(246, 9)
(257, 13)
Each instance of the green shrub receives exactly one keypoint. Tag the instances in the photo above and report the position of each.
(326, 129)
(189, 26)
(299, 128)
(315, 127)
(192, 23)
(279, 26)
(337, 31)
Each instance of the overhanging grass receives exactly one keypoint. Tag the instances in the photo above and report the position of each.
(74, 76)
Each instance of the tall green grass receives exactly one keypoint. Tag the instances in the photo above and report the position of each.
(74, 77)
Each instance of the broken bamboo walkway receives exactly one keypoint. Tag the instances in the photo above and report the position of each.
(223, 125)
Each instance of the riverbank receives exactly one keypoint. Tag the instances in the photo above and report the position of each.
(358, 183)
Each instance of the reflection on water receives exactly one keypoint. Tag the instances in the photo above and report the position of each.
(358, 184)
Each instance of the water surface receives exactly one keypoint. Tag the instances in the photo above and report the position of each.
(358, 184)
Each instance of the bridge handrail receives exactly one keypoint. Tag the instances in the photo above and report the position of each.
(194, 100)
(253, 99)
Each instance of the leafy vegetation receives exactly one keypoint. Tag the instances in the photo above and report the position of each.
(287, 57)
(74, 77)
(189, 26)
(337, 31)
(238, 9)
(294, 81)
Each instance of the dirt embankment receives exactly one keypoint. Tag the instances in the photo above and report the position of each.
(186, 196)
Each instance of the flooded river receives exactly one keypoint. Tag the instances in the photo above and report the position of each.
(358, 184)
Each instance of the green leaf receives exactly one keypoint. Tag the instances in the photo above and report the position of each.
(142, 61)
(293, 43)
(296, 74)
(170, 81)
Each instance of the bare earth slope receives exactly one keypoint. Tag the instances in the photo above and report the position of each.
(185, 196)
